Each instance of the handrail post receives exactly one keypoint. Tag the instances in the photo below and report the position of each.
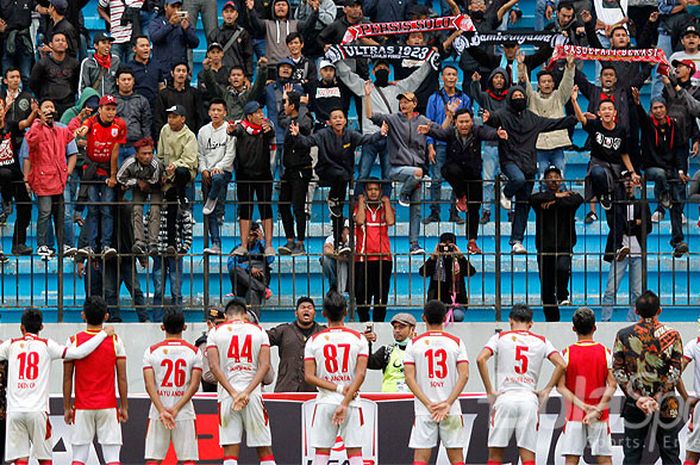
(497, 258)
(645, 206)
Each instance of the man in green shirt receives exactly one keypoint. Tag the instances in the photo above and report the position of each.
(389, 358)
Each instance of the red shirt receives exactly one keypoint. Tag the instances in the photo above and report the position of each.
(95, 374)
(587, 368)
(101, 140)
(372, 238)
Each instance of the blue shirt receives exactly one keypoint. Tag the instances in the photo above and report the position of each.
(435, 111)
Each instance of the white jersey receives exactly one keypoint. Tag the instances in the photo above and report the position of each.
(172, 362)
(335, 351)
(519, 357)
(239, 345)
(436, 354)
(29, 368)
(691, 352)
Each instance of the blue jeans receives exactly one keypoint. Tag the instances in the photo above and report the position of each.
(70, 195)
(123, 51)
(540, 20)
(665, 43)
(617, 272)
(170, 268)
(547, 158)
(367, 160)
(217, 189)
(436, 178)
(411, 187)
(668, 182)
(519, 185)
(23, 59)
(99, 219)
(599, 182)
(491, 169)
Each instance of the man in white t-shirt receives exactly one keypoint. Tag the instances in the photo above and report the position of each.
(239, 358)
(437, 369)
(519, 357)
(335, 361)
(172, 371)
(690, 38)
(691, 353)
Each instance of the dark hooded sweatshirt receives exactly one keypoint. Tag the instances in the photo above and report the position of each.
(662, 143)
(489, 99)
(523, 128)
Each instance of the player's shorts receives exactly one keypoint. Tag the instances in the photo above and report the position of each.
(576, 435)
(514, 413)
(693, 441)
(324, 432)
(104, 422)
(424, 434)
(253, 419)
(28, 433)
(183, 437)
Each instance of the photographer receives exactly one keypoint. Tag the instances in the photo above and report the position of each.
(172, 34)
(389, 358)
(446, 269)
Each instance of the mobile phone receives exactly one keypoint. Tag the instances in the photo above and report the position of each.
(369, 327)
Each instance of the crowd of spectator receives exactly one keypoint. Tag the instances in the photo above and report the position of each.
(115, 139)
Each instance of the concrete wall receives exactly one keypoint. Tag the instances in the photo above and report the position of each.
(138, 336)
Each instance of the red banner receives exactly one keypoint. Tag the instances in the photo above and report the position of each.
(648, 55)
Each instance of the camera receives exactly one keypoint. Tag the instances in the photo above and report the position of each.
(446, 248)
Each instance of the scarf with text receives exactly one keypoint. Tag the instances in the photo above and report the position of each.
(478, 39)
(644, 55)
(461, 22)
(383, 52)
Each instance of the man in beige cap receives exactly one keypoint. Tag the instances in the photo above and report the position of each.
(389, 358)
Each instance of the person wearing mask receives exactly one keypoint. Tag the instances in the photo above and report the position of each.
(148, 76)
(462, 166)
(389, 358)
(58, 23)
(134, 109)
(181, 93)
(290, 339)
(55, 76)
(99, 71)
(555, 238)
(236, 42)
(239, 92)
(173, 35)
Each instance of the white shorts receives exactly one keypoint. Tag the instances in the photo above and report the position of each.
(324, 432)
(252, 419)
(693, 442)
(424, 434)
(104, 422)
(28, 431)
(183, 437)
(576, 435)
(514, 413)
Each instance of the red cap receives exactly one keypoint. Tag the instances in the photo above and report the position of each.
(108, 100)
(689, 63)
(229, 4)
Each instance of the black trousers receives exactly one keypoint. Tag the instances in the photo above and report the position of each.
(14, 188)
(295, 184)
(466, 182)
(248, 188)
(372, 283)
(338, 180)
(555, 273)
(172, 195)
(637, 434)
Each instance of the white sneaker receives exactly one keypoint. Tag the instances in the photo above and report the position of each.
(505, 202)
(518, 248)
(657, 216)
(209, 206)
(212, 250)
(68, 250)
(44, 252)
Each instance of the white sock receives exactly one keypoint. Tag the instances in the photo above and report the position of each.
(81, 452)
(231, 460)
(270, 460)
(111, 453)
(355, 460)
(321, 459)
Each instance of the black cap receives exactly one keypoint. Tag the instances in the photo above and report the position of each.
(353, 2)
(100, 36)
(214, 45)
(215, 313)
(176, 110)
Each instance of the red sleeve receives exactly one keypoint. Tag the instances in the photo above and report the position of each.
(122, 132)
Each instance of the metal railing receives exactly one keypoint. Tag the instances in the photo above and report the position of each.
(501, 278)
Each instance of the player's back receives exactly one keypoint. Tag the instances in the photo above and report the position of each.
(239, 344)
(435, 355)
(95, 374)
(335, 351)
(587, 367)
(29, 371)
(172, 362)
(519, 357)
(691, 352)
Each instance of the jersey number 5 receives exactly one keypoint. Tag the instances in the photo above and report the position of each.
(174, 372)
(437, 363)
(28, 365)
(330, 353)
(237, 352)
(521, 357)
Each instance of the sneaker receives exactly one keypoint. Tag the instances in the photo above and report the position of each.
(83, 252)
(657, 216)
(287, 248)
(138, 248)
(170, 251)
(622, 253)
(69, 250)
(270, 252)
(298, 249)
(343, 249)
(404, 200)
(3, 218)
(153, 250)
(606, 202)
(183, 202)
(44, 252)
(518, 248)
(109, 252)
(455, 218)
(680, 249)
(485, 217)
(461, 204)
(268, 293)
(505, 202)
(21, 249)
(564, 303)
(214, 249)
(240, 251)
(416, 249)
(434, 217)
(472, 248)
(665, 200)
(591, 217)
(4, 258)
(335, 207)
(209, 206)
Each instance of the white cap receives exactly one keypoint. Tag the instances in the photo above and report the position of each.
(326, 63)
